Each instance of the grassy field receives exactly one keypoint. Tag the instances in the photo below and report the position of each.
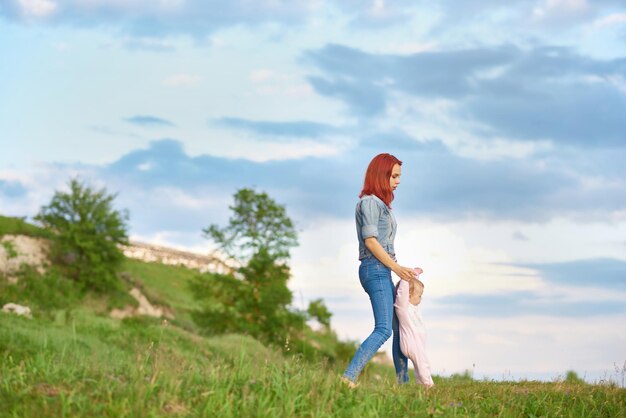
(76, 361)
(87, 365)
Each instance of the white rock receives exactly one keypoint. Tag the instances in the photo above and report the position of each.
(17, 309)
(122, 313)
(28, 250)
(145, 307)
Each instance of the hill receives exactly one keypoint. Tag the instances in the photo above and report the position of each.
(73, 359)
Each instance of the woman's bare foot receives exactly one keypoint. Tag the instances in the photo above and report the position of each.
(349, 382)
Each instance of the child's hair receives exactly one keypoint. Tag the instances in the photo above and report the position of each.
(413, 284)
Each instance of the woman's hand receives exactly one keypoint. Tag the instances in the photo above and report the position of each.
(405, 273)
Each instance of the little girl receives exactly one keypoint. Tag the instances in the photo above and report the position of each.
(412, 330)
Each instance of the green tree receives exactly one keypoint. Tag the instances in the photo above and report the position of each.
(86, 230)
(256, 299)
(318, 310)
(258, 225)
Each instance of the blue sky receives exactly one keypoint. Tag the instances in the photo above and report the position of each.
(509, 118)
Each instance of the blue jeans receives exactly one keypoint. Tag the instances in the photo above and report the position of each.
(376, 281)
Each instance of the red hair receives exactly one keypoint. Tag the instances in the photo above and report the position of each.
(377, 177)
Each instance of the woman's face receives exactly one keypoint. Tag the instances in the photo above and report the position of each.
(394, 180)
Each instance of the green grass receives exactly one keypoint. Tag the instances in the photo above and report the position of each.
(164, 285)
(87, 365)
(18, 226)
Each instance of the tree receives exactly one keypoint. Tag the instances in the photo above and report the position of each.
(318, 310)
(258, 225)
(259, 235)
(86, 231)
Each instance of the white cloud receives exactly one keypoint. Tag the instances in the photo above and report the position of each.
(61, 46)
(40, 181)
(271, 83)
(406, 48)
(144, 167)
(182, 199)
(378, 8)
(261, 75)
(182, 80)
(251, 148)
(463, 257)
(37, 8)
(610, 20)
(556, 10)
(525, 346)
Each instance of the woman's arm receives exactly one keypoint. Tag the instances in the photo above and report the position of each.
(405, 273)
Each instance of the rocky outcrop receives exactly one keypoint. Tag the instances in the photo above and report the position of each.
(16, 250)
(156, 254)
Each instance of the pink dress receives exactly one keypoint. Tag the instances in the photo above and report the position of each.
(412, 334)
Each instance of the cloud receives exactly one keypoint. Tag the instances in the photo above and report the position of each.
(559, 10)
(606, 273)
(523, 303)
(532, 94)
(36, 8)
(148, 121)
(435, 182)
(610, 20)
(365, 99)
(519, 236)
(165, 188)
(398, 140)
(182, 80)
(151, 44)
(197, 18)
(292, 129)
(377, 14)
(12, 189)
(539, 16)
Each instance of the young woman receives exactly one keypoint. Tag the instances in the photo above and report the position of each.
(376, 230)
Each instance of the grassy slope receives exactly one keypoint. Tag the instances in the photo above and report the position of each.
(80, 363)
(94, 366)
(165, 285)
(11, 225)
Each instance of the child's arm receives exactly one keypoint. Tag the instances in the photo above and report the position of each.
(402, 297)
(402, 304)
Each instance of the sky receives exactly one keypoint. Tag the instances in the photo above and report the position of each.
(509, 117)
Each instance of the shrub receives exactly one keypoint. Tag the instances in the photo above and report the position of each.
(86, 231)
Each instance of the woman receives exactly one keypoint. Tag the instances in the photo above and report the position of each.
(376, 230)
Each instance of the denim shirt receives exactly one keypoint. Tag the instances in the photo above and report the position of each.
(375, 219)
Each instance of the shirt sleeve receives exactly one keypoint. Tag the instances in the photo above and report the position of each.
(370, 213)
(402, 297)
